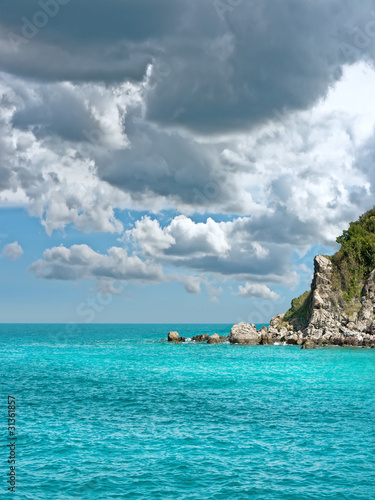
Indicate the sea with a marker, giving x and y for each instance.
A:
(110, 411)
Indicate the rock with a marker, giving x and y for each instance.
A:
(292, 339)
(244, 333)
(266, 339)
(351, 326)
(201, 338)
(308, 344)
(317, 301)
(273, 332)
(182, 339)
(276, 320)
(351, 341)
(223, 338)
(214, 339)
(173, 337)
(337, 341)
(283, 332)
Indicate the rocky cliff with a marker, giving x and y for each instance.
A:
(330, 319)
(339, 309)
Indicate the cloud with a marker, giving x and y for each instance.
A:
(82, 262)
(193, 284)
(301, 167)
(256, 290)
(212, 72)
(12, 251)
(262, 116)
(228, 249)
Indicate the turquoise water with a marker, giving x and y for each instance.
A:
(104, 412)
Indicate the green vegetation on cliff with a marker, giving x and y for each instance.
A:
(299, 311)
(355, 260)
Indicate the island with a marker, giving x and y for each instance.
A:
(339, 308)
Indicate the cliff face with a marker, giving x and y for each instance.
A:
(333, 320)
(321, 316)
(327, 309)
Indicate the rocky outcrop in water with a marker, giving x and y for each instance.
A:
(325, 317)
(244, 333)
(200, 338)
(216, 339)
(173, 337)
(339, 309)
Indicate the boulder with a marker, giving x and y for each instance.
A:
(214, 339)
(266, 339)
(173, 337)
(201, 338)
(244, 333)
(292, 339)
(351, 341)
(273, 332)
(276, 320)
(337, 341)
(308, 344)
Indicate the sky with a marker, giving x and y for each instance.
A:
(178, 161)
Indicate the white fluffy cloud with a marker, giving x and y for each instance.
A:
(181, 238)
(235, 249)
(256, 290)
(12, 251)
(82, 262)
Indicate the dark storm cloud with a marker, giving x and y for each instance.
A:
(166, 164)
(58, 112)
(226, 70)
(275, 56)
(106, 41)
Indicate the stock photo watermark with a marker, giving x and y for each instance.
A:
(39, 20)
(11, 446)
(223, 7)
(361, 37)
(88, 309)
